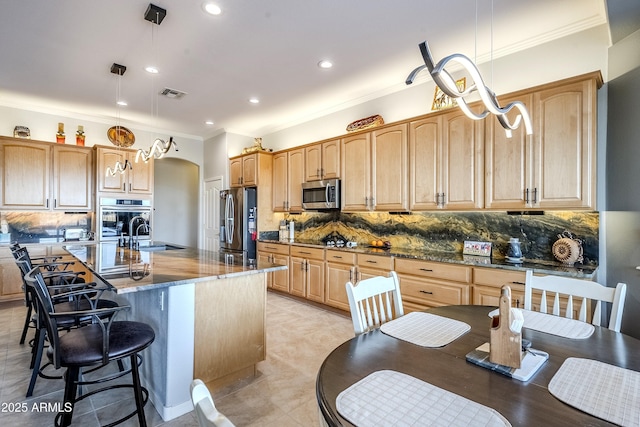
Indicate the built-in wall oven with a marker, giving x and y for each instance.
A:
(115, 215)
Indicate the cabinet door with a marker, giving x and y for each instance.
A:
(313, 162)
(356, 173)
(107, 158)
(250, 170)
(235, 172)
(72, 178)
(389, 172)
(140, 176)
(331, 159)
(315, 280)
(565, 146)
(462, 161)
(337, 276)
(424, 165)
(281, 277)
(297, 278)
(280, 184)
(490, 295)
(11, 285)
(508, 162)
(295, 179)
(26, 175)
(266, 258)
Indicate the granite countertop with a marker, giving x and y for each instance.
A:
(540, 267)
(137, 270)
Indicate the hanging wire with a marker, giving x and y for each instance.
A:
(118, 167)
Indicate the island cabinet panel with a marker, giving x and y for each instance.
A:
(425, 284)
(230, 321)
(340, 269)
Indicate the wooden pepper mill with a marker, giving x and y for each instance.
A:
(506, 333)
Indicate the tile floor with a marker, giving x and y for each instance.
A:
(299, 337)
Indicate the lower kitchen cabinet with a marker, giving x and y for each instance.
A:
(276, 254)
(487, 283)
(425, 284)
(373, 265)
(340, 269)
(307, 273)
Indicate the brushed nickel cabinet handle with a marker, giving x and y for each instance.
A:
(535, 195)
(526, 196)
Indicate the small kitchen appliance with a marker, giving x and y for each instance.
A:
(321, 195)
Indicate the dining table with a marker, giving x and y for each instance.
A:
(521, 403)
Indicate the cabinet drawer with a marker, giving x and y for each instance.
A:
(437, 270)
(306, 252)
(433, 292)
(341, 257)
(377, 261)
(497, 277)
(274, 248)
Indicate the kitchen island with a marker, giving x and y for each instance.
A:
(208, 311)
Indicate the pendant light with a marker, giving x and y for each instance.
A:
(119, 167)
(159, 148)
(447, 84)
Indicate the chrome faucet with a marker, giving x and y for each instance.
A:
(135, 244)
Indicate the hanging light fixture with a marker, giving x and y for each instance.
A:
(447, 84)
(159, 148)
(119, 167)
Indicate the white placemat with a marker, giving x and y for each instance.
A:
(424, 329)
(602, 390)
(390, 398)
(555, 325)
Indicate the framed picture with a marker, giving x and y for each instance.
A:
(476, 248)
(442, 100)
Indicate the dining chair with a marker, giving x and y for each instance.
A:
(374, 301)
(206, 412)
(580, 290)
(92, 346)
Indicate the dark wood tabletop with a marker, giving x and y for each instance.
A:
(522, 403)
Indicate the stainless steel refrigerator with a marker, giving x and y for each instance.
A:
(238, 219)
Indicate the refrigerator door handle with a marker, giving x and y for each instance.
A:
(230, 219)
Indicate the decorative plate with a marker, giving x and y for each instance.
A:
(366, 123)
(567, 249)
(121, 136)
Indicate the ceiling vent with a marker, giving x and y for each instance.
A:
(172, 93)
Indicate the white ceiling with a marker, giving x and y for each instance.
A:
(55, 56)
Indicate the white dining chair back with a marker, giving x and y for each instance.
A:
(576, 290)
(206, 412)
(374, 301)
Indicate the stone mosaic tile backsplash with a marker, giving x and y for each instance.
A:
(447, 231)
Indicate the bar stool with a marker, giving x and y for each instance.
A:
(95, 345)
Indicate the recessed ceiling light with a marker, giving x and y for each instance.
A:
(254, 100)
(122, 103)
(325, 63)
(208, 122)
(151, 69)
(211, 8)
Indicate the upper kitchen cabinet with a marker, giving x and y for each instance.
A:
(288, 175)
(446, 169)
(322, 160)
(45, 176)
(374, 166)
(135, 180)
(246, 170)
(555, 167)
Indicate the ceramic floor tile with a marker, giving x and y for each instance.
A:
(299, 337)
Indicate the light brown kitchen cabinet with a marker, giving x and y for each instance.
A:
(275, 253)
(369, 266)
(138, 179)
(555, 167)
(322, 161)
(45, 176)
(307, 272)
(374, 166)
(340, 269)
(250, 170)
(487, 283)
(288, 175)
(425, 284)
(446, 169)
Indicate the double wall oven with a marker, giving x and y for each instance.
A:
(115, 215)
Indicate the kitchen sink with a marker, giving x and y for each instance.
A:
(161, 247)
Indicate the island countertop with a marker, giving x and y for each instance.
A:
(153, 267)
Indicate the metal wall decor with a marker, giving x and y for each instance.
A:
(447, 84)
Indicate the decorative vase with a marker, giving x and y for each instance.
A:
(60, 134)
(80, 136)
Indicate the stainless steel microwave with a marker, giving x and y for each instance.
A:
(321, 195)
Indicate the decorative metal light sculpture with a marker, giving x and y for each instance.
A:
(447, 84)
(118, 167)
(157, 150)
